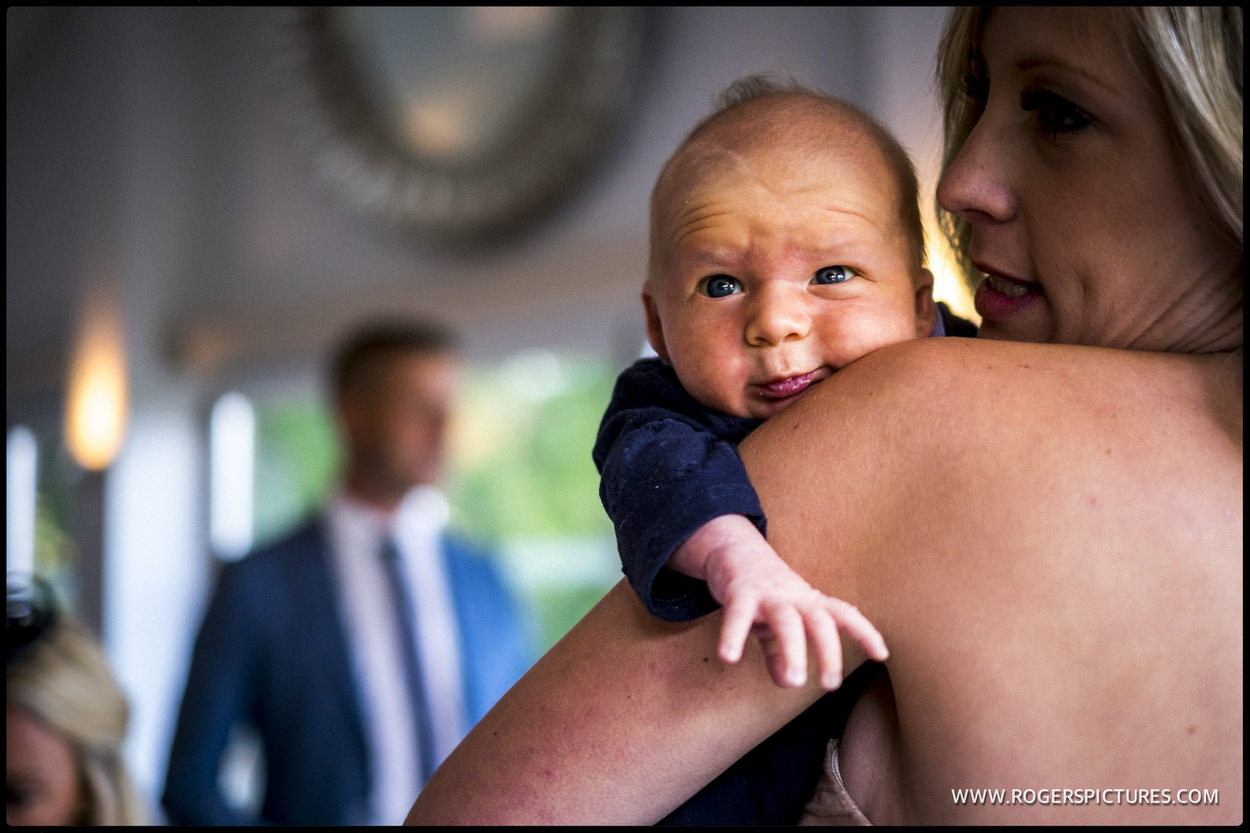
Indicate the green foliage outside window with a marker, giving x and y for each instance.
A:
(297, 460)
(56, 552)
(522, 479)
(521, 461)
(520, 476)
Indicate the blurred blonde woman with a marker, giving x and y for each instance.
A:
(65, 720)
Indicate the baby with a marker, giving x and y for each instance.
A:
(786, 242)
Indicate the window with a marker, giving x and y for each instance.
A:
(232, 458)
(22, 454)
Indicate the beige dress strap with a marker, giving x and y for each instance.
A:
(832, 804)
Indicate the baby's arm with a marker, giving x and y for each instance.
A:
(668, 465)
(690, 530)
(762, 595)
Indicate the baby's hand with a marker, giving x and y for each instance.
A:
(762, 595)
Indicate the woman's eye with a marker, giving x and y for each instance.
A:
(832, 274)
(1053, 114)
(719, 286)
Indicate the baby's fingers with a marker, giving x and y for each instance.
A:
(739, 616)
(828, 648)
(857, 626)
(787, 649)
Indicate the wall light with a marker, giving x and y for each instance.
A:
(96, 410)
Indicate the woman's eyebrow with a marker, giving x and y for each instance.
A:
(1026, 64)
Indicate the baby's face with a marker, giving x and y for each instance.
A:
(778, 270)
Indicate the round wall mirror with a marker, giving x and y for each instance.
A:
(460, 123)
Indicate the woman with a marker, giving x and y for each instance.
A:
(1045, 523)
(65, 721)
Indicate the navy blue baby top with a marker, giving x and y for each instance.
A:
(668, 465)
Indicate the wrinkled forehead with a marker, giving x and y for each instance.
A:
(823, 161)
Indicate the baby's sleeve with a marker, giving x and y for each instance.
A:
(667, 466)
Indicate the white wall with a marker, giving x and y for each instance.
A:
(146, 146)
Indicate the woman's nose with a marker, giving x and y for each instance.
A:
(975, 184)
(778, 313)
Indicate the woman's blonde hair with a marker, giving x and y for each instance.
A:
(1194, 55)
(64, 680)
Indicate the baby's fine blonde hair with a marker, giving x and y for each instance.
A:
(735, 132)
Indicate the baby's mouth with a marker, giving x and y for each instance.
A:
(790, 386)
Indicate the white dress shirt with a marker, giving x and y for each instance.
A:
(357, 532)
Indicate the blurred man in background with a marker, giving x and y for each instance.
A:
(360, 648)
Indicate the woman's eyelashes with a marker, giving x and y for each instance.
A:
(1053, 115)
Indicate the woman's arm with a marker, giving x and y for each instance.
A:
(1043, 535)
(620, 722)
(628, 716)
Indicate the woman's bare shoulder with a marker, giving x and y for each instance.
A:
(964, 493)
(971, 366)
(938, 431)
(925, 396)
(947, 388)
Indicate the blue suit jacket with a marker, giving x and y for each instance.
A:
(272, 653)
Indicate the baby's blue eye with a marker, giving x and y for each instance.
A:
(833, 274)
(719, 286)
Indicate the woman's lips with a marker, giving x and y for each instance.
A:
(999, 297)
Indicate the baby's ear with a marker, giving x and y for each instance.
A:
(655, 326)
(926, 310)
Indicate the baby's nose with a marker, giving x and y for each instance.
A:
(778, 314)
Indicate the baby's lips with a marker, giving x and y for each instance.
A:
(790, 386)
